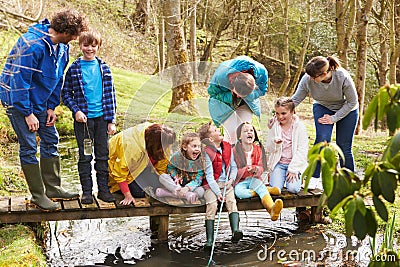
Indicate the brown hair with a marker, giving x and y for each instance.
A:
(285, 102)
(92, 36)
(158, 137)
(69, 21)
(183, 161)
(204, 133)
(241, 161)
(244, 83)
(315, 66)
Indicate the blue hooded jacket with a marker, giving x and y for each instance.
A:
(220, 102)
(32, 78)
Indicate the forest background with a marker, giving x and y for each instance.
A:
(148, 36)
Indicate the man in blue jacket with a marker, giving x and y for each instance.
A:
(30, 87)
(234, 92)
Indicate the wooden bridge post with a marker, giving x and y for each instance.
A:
(159, 227)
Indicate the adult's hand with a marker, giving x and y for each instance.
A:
(51, 117)
(32, 122)
(326, 119)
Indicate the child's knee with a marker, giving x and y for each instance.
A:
(164, 177)
(211, 210)
(199, 191)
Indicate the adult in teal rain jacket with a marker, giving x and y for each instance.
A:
(30, 87)
(235, 91)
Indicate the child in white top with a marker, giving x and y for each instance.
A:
(287, 146)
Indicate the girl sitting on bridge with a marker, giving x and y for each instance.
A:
(250, 159)
(287, 146)
(185, 171)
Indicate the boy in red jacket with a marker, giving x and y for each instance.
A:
(221, 171)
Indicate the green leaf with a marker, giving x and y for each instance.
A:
(391, 116)
(383, 101)
(349, 211)
(393, 148)
(361, 205)
(370, 112)
(371, 223)
(327, 181)
(329, 155)
(338, 150)
(388, 184)
(308, 173)
(359, 225)
(369, 172)
(342, 203)
(380, 208)
(375, 185)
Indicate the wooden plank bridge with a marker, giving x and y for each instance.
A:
(17, 209)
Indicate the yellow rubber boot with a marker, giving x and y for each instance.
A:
(274, 191)
(274, 209)
(253, 193)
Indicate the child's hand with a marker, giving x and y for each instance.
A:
(111, 129)
(80, 116)
(219, 197)
(291, 177)
(278, 140)
(128, 199)
(228, 184)
(178, 180)
(252, 170)
(182, 191)
(271, 122)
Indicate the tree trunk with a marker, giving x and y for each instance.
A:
(303, 50)
(160, 39)
(141, 16)
(193, 48)
(394, 51)
(286, 57)
(182, 93)
(382, 64)
(344, 33)
(226, 17)
(361, 38)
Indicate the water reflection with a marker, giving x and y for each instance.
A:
(127, 240)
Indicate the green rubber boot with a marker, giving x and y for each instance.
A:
(36, 187)
(50, 169)
(234, 222)
(209, 234)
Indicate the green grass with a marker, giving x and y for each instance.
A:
(18, 247)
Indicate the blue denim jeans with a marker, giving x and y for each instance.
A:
(345, 129)
(27, 139)
(97, 131)
(278, 179)
(242, 189)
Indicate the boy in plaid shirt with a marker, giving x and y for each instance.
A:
(90, 94)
